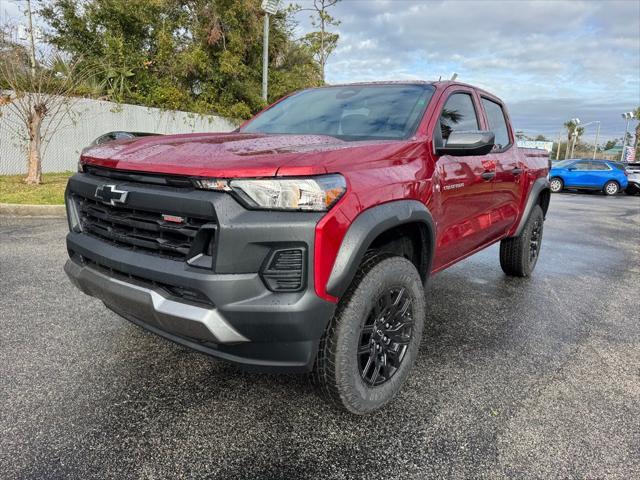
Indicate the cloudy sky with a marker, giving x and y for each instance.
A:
(549, 60)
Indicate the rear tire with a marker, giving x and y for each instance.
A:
(385, 303)
(632, 190)
(611, 188)
(556, 184)
(519, 255)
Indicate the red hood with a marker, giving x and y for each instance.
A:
(218, 155)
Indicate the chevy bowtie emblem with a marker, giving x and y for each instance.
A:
(111, 195)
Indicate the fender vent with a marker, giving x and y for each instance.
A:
(285, 271)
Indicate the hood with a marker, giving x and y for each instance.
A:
(216, 155)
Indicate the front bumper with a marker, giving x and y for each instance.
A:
(153, 306)
(236, 317)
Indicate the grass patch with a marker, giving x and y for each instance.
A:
(51, 192)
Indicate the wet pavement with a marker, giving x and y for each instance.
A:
(518, 378)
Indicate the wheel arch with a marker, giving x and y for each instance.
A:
(540, 194)
(381, 226)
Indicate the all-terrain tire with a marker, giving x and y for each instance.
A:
(338, 370)
(519, 255)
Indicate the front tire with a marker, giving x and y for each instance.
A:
(611, 188)
(556, 185)
(373, 339)
(519, 255)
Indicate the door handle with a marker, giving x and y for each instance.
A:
(488, 175)
(517, 171)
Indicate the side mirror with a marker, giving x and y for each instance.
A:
(468, 143)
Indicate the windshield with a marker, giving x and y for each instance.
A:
(357, 112)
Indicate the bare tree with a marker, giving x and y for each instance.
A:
(33, 97)
(322, 42)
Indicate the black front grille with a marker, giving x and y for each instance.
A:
(140, 177)
(138, 229)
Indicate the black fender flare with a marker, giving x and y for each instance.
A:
(538, 187)
(366, 228)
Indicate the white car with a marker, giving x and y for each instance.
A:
(633, 175)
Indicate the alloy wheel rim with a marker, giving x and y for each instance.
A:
(385, 336)
(534, 241)
(555, 185)
(611, 188)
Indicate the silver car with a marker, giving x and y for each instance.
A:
(633, 175)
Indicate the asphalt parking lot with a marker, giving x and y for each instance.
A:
(516, 378)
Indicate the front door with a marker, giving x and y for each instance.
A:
(581, 174)
(465, 185)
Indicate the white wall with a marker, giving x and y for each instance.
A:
(90, 119)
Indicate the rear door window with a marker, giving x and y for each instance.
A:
(582, 166)
(497, 123)
(599, 166)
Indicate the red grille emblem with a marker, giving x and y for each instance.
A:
(172, 218)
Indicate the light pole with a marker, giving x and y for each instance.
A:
(583, 125)
(595, 146)
(270, 7)
(559, 141)
(627, 116)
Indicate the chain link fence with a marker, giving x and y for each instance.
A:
(88, 119)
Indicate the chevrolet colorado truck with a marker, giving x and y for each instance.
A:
(302, 241)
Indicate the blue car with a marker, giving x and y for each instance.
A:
(607, 176)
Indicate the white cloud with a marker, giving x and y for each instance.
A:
(568, 56)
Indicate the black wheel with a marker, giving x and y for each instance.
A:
(632, 190)
(556, 184)
(611, 188)
(373, 339)
(519, 255)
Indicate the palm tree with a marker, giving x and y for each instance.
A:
(571, 127)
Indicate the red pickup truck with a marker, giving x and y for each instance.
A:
(302, 241)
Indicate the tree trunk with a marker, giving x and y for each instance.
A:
(322, 58)
(34, 161)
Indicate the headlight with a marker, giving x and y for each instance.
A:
(316, 194)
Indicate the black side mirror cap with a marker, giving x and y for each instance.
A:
(476, 142)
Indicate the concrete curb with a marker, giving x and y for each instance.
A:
(17, 210)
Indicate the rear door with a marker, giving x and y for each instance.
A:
(580, 175)
(507, 184)
(464, 182)
(600, 173)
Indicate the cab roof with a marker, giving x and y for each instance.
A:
(440, 84)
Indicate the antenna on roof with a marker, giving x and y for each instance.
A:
(440, 78)
(454, 76)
